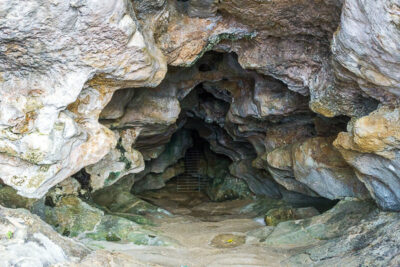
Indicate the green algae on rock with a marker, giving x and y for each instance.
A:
(276, 216)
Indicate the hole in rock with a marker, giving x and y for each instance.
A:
(211, 136)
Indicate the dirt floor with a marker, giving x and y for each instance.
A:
(207, 233)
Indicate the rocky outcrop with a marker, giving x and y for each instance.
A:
(27, 240)
(365, 53)
(248, 76)
(276, 216)
(119, 162)
(259, 181)
(372, 147)
(365, 50)
(58, 75)
(314, 167)
(368, 237)
(228, 188)
(262, 90)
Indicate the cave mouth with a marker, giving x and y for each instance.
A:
(201, 188)
(206, 135)
(197, 189)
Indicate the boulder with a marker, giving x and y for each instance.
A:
(313, 167)
(75, 56)
(26, 240)
(372, 147)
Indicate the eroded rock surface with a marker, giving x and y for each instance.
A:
(27, 240)
(313, 167)
(372, 147)
(293, 58)
(261, 90)
(62, 61)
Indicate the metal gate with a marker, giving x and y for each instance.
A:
(191, 180)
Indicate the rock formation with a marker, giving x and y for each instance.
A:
(290, 65)
(293, 99)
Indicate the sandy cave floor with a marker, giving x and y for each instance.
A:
(208, 234)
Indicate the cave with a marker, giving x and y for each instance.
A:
(216, 98)
(199, 133)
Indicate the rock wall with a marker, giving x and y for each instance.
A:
(61, 63)
(270, 84)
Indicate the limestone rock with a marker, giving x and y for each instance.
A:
(119, 162)
(321, 167)
(117, 200)
(260, 183)
(328, 225)
(315, 166)
(366, 49)
(10, 199)
(158, 180)
(74, 218)
(371, 241)
(377, 133)
(26, 240)
(174, 151)
(372, 148)
(115, 109)
(62, 61)
(70, 216)
(198, 8)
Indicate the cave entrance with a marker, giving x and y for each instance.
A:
(208, 134)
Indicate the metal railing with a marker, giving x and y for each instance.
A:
(191, 180)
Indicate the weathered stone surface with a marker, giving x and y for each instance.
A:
(366, 48)
(377, 133)
(74, 218)
(372, 147)
(158, 180)
(51, 64)
(276, 216)
(117, 200)
(115, 109)
(315, 167)
(119, 162)
(372, 241)
(10, 199)
(281, 49)
(260, 182)
(65, 65)
(365, 53)
(25, 240)
(174, 151)
(185, 39)
(321, 167)
(328, 225)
